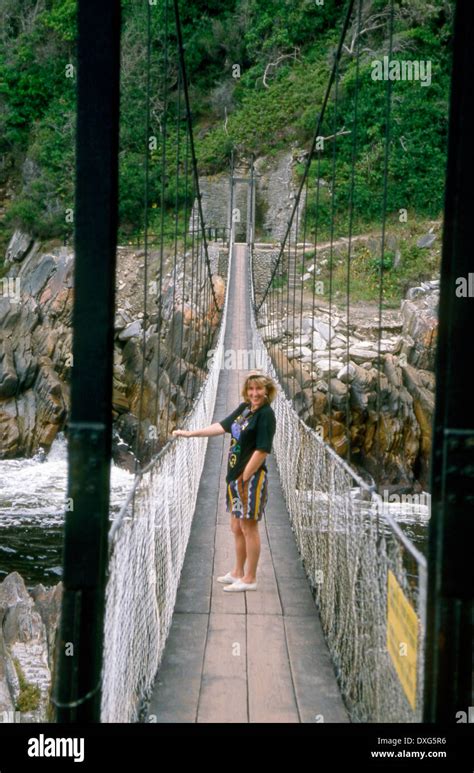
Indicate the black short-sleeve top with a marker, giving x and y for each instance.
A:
(250, 431)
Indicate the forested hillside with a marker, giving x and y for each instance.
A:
(257, 71)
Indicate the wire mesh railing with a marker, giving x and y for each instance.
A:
(148, 539)
(369, 581)
(147, 546)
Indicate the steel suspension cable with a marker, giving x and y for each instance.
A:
(164, 138)
(138, 443)
(318, 173)
(191, 140)
(317, 133)
(174, 272)
(193, 282)
(185, 230)
(294, 275)
(331, 252)
(351, 220)
(388, 105)
(305, 223)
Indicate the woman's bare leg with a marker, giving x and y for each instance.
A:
(240, 549)
(252, 546)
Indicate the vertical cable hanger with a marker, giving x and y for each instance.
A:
(174, 271)
(331, 251)
(351, 221)
(305, 223)
(164, 138)
(388, 105)
(317, 133)
(318, 172)
(191, 141)
(139, 445)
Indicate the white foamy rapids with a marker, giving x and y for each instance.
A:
(35, 490)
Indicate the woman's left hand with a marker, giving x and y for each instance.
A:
(181, 433)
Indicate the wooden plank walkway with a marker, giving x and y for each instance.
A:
(245, 657)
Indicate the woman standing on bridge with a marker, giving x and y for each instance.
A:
(252, 427)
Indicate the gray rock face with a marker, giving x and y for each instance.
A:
(276, 189)
(326, 367)
(402, 379)
(298, 351)
(8, 376)
(338, 391)
(362, 355)
(28, 629)
(325, 331)
(420, 326)
(131, 331)
(291, 325)
(35, 279)
(303, 340)
(318, 341)
(122, 319)
(426, 241)
(19, 246)
(36, 344)
(347, 373)
(215, 197)
(272, 333)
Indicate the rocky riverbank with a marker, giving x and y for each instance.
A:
(329, 371)
(28, 626)
(36, 346)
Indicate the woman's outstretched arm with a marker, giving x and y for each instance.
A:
(213, 429)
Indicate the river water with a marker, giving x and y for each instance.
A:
(32, 505)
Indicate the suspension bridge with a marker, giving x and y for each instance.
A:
(347, 622)
(249, 657)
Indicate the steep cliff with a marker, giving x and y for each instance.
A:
(36, 348)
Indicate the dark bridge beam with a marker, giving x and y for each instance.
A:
(80, 646)
(448, 680)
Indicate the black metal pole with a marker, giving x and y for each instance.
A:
(448, 673)
(79, 656)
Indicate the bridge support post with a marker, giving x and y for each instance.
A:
(448, 671)
(77, 688)
(231, 200)
(250, 205)
(249, 196)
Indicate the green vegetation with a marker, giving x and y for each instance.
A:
(291, 44)
(30, 695)
(404, 265)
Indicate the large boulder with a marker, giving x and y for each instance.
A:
(420, 328)
(19, 246)
(28, 630)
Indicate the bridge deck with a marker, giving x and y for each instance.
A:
(244, 657)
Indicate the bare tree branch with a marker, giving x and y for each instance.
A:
(340, 133)
(369, 22)
(295, 54)
(357, 35)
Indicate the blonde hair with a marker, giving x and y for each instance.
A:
(261, 380)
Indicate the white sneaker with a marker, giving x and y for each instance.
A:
(241, 586)
(227, 579)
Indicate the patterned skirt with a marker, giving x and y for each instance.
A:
(248, 500)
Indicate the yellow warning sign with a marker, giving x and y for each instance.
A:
(402, 637)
